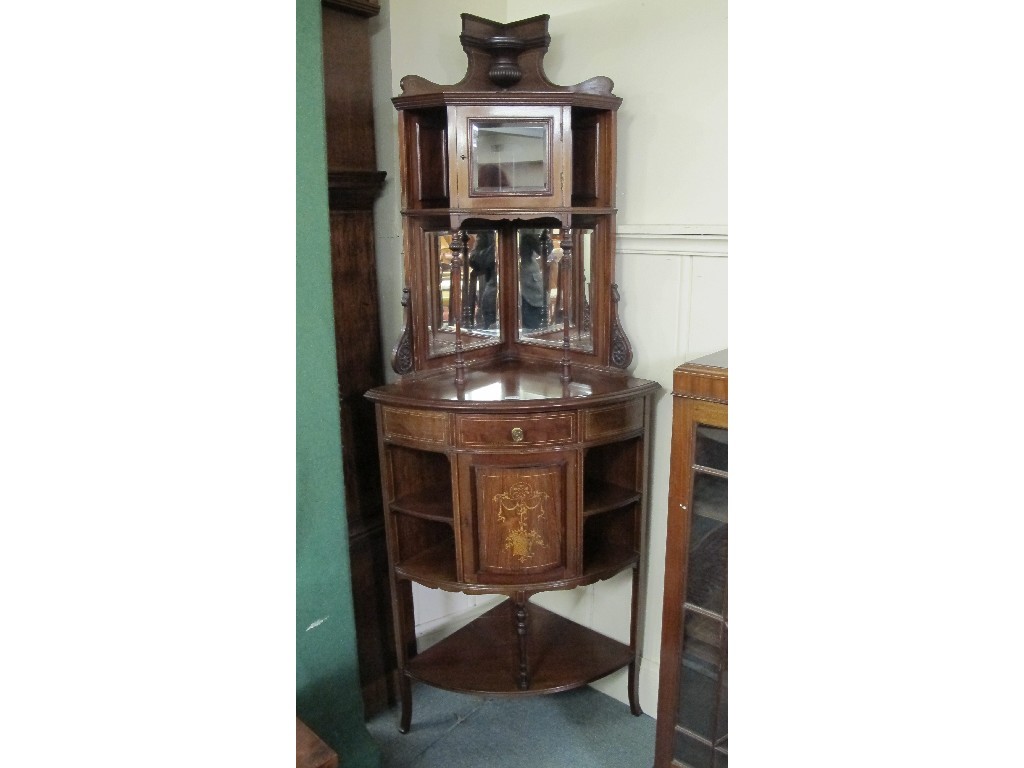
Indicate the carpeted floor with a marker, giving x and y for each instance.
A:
(582, 728)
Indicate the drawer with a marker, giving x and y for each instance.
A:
(408, 425)
(510, 431)
(621, 418)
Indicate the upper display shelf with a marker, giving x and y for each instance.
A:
(508, 202)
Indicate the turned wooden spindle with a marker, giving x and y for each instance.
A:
(545, 254)
(459, 241)
(520, 615)
(564, 271)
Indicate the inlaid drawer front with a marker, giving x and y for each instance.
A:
(510, 431)
(613, 420)
(430, 427)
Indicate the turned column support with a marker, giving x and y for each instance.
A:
(459, 247)
(564, 272)
(520, 617)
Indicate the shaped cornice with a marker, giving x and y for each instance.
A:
(505, 65)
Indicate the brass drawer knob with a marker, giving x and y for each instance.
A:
(517, 435)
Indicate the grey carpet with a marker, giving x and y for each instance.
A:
(574, 729)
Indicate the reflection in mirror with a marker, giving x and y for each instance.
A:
(480, 323)
(509, 157)
(542, 304)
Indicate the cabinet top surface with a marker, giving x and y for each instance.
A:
(719, 359)
(706, 378)
(513, 385)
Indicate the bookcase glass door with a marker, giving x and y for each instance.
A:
(702, 715)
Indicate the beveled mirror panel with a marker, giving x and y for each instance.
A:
(510, 157)
(552, 287)
(480, 322)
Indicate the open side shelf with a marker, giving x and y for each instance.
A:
(434, 567)
(482, 657)
(606, 561)
(429, 506)
(600, 496)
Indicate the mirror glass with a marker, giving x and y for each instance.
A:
(509, 157)
(552, 287)
(480, 323)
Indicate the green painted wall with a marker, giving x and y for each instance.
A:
(327, 675)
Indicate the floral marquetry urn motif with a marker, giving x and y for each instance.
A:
(519, 502)
(522, 528)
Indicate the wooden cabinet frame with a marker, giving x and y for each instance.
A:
(700, 400)
(517, 465)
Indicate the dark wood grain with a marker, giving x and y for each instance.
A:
(353, 185)
(453, 496)
(348, 96)
(483, 657)
(360, 7)
(310, 750)
(700, 397)
(435, 156)
(510, 465)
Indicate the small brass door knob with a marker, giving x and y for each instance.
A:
(517, 435)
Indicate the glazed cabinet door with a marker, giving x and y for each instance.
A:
(701, 721)
(693, 708)
(509, 157)
(518, 516)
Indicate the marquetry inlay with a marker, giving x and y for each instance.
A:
(520, 501)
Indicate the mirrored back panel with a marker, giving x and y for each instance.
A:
(481, 325)
(554, 283)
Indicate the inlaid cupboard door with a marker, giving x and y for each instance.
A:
(519, 515)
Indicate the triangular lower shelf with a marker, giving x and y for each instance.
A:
(483, 657)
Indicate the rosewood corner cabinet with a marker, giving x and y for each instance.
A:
(693, 690)
(514, 446)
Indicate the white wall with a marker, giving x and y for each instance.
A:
(668, 60)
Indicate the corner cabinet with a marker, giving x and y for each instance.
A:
(514, 446)
(490, 492)
(692, 724)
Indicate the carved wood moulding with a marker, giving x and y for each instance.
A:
(359, 7)
(401, 355)
(354, 190)
(508, 58)
(622, 350)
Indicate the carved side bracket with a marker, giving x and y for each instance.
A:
(621, 351)
(401, 356)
